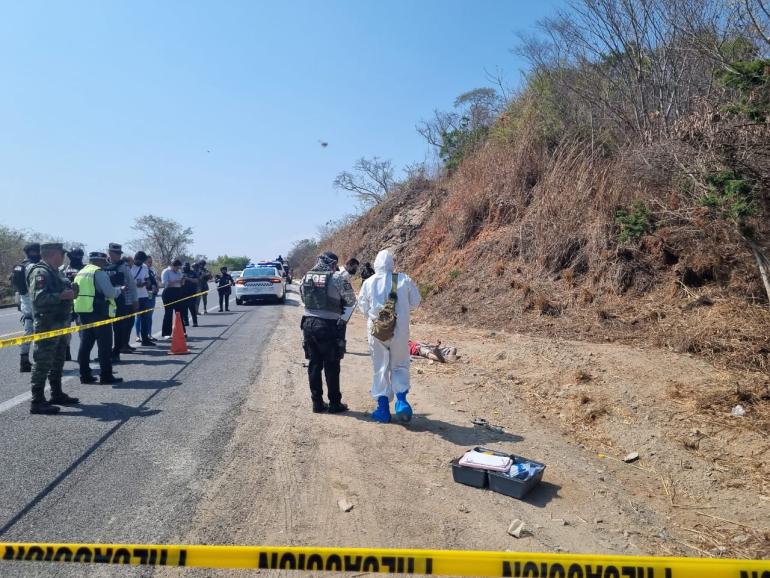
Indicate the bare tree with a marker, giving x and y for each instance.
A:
(637, 65)
(435, 130)
(164, 239)
(758, 12)
(474, 109)
(370, 182)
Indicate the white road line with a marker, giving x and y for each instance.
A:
(22, 397)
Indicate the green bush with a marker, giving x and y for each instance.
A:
(425, 290)
(456, 144)
(633, 222)
(751, 79)
(729, 195)
(454, 274)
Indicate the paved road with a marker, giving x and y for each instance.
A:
(129, 463)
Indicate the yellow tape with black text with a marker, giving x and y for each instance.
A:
(387, 561)
(75, 328)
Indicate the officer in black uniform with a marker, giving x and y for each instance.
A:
(19, 282)
(324, 292)
(120, 276)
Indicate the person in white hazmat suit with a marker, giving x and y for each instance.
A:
(390, 359)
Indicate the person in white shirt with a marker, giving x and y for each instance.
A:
(140, 273)
(171, 278)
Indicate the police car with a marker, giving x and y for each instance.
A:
(258, 282)
(282, 269)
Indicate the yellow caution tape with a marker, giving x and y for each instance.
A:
(75, 328)
(387, 561)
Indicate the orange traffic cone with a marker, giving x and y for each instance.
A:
(178, 343)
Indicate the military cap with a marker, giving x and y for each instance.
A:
(329, 256)
(116, 248)
(97, 256)
(52, 247)
(76, 252)
(32, 248)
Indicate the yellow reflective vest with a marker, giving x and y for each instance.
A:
(84, 302)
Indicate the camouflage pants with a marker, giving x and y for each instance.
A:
(49, 360)
(26, 321)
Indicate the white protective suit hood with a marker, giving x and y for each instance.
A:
(384, 262)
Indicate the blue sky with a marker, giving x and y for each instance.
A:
(211, 113)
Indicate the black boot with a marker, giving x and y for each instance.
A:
(338, 407)
(58, 397)
(87, 379)
(319, 406)
(62, 398)
(110, 379)
(24, 365)
(42, 407)
(68, 354)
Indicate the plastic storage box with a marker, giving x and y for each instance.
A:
(513, 487)
(472, 476)
(469, 476)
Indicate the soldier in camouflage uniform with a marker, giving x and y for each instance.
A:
(52, 297)
(19, 282)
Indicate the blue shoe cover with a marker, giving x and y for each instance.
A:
(403, 409)
(382, 413)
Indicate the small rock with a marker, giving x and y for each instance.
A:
(741, 539)
(516, 528)
(500, 356)
(344, 504)
(598, 521)
(632, 457)
(601, 478)
(464, 509)
(738, 411)
(419, 372)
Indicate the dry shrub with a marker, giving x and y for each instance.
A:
(730, 333)
(544, 307)
(569, 222)
(492, 188)
(582, 376)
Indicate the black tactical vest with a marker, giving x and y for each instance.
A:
(315, 290)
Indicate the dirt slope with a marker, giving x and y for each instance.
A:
(286, 468)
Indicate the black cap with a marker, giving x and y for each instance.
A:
(75, 252)
(53, 246)
(329, 256)
(32, 248)
(116, 248)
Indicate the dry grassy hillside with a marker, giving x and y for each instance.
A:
(528, 241)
